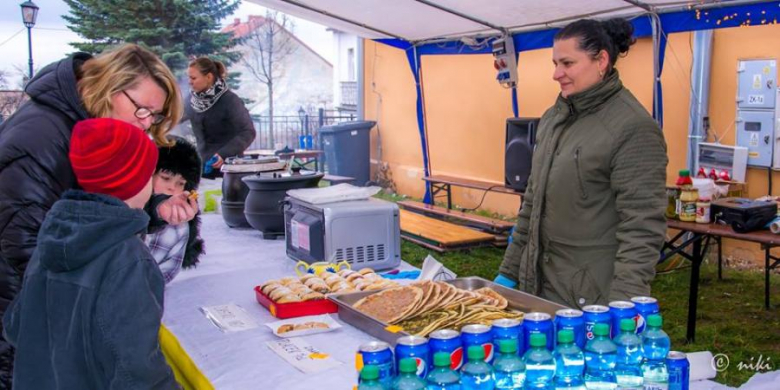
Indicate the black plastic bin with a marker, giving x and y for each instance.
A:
(347, 149)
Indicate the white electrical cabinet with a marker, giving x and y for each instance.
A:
(757, 110)
(505, 61)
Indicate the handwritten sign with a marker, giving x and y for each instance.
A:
(302, 355)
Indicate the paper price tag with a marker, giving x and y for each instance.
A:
(302, 355)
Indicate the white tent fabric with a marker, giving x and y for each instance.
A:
(425, 20)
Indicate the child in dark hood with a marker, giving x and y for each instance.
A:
(89, 312)
(178, 172)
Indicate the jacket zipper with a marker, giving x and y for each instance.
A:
(579, 174)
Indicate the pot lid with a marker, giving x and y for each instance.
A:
(283, 176)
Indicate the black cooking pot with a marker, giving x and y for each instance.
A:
(263, 208)
(234, 191)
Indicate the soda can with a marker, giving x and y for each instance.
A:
(377, 353)
(645, 306)
(414, 347)
(595, 314)
(619, 310)
(478, 335)
(679, 370)
(508, 329)
(539, 323)
(571, 319)
(446, 340)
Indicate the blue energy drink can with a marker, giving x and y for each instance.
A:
(645, 306)
(620, 310)
(508, 329)
(377, 353)
(679, 370)
(478, 335)
(573, 320)
(414, 347)
(595, 314)
(539, 323)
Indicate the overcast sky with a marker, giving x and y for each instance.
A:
(51, 38)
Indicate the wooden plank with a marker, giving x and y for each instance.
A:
(471, 183)
(486, 223)
(444, 233)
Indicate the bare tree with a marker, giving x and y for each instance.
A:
(269, 42)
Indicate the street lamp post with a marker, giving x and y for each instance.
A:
(29, 15)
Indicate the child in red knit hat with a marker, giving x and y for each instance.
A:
(89, 311)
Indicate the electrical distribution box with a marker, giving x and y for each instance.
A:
(505, 61)
(757, 110)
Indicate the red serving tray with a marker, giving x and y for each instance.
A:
(295, 309)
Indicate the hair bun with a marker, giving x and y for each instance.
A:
(621, 32)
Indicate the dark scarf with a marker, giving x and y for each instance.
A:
(202, 101)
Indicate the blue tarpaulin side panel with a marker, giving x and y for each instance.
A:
(414, 62)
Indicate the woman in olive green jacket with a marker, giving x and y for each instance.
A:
(592, 221)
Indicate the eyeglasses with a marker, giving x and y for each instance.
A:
(144, 112)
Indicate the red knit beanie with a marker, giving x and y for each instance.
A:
(111, 157)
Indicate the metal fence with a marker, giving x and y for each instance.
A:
(288, 129)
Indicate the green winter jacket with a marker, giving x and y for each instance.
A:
(592, 221)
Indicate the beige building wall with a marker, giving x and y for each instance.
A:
(466, 109)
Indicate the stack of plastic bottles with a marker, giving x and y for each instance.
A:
(628, 361)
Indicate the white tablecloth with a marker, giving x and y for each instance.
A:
(236, 261)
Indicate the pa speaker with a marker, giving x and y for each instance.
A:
(520, 139)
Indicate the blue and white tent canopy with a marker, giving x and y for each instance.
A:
(417, 21)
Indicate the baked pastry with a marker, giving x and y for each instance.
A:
(285, 328)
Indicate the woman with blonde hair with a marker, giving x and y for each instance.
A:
(128, 83)
(221, 123)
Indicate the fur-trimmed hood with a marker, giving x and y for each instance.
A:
(182, 158)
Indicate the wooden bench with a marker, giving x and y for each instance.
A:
(439, 235)
(333, 179)
(444, 183)
(492, 225)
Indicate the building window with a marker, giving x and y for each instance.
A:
(351, 76)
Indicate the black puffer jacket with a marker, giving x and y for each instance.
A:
(34, 172)
(225, 129)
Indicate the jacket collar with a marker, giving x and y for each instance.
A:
(592, 97)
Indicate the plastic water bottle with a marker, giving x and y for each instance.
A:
(508, 368)
(539, 364)
(600, 360)
(442, 377)
(628, 371)
(655, 346)
(476, 374)
(569, 362)
(407, 378)
(369, 378)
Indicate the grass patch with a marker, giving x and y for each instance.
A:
(731, 317)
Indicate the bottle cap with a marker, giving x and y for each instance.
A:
(601, 329)
(655, 320)
(565, 336)
(369, 373)
(538, 340)
(407, 365)
(627, 325)
(507, 346)
(476, 352)
(441, 359)
(685, 172)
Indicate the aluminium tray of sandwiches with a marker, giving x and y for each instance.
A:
(516, 301)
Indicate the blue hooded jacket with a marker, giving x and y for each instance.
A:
(89, 311)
